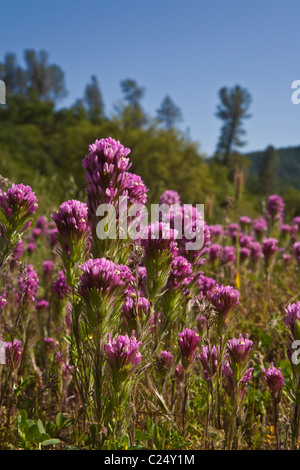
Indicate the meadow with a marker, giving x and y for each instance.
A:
(116, 344)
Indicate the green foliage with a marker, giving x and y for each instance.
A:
(93, 99)
(283, 163)
(269, 174)
(169, 114)
(32, 434)
(41, 143)
(37, 141)
(44, 147)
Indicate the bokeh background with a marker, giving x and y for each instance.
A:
(200, 91)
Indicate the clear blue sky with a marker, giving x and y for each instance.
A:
(188, 49)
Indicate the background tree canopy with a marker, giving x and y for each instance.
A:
(43, 145)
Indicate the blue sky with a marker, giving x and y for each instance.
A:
(187, 49)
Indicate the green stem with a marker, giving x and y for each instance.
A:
(295, 427)
(276, 427)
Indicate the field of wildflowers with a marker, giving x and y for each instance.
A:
(140, 343)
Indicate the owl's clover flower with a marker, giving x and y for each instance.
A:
(36, 233)
(123, 351)
(17, 205)
(179, 373)
(17, 253)
(233, 231)
(164, 362)
(110, 182)
(225, 299)
(286, 258)
(195, 231)
(181, 274)
(296, 221)
(123, 356)
(136, 189)
(245, 222)
(31, 247)
(201, 324)
(255, 252)
(285, 229)
(170, 197)
(132, 309)
(102, 286)
(292, 319)
(229, 254)
(47, 267)
(209, 360)
(269, 248)
(188, 341)
(275, 381)
(239, 349)
(229, 380)
(71, 219)
(296, 251)
(215, 252)
(28, 285)
(205, 284)
(275, 208)
(158, 237)
(50, 343)
(100, 274)
(13, 352)
(73, 231)
(193, 234)
(260, 227)
(215, 231)
(244, 254)
(106, 166)
(246, 241)
(18, 202)
(60, 286)
(42, 305)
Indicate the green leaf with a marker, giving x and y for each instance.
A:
(140, 436)
(67, 339)
(286, 368)
(33, 434)
(51, 442)
(50, 427)
(62, 421)
(40, 426)
(22, 419)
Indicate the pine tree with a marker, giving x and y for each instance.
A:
(232, 110)
(38, 80)
(132, 114)
(93, 100)
(169, 113)
(44, 81)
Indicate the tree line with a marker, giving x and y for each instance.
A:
(40, 139)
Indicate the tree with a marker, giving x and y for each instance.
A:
(38, 80)
(44, 81)
(13, 75)
(132, 92)
(232, 110)
(132, 114)
(169, 113)
(93, 100)
(78, 110)
(269, 171)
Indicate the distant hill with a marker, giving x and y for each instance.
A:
(289, 170)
